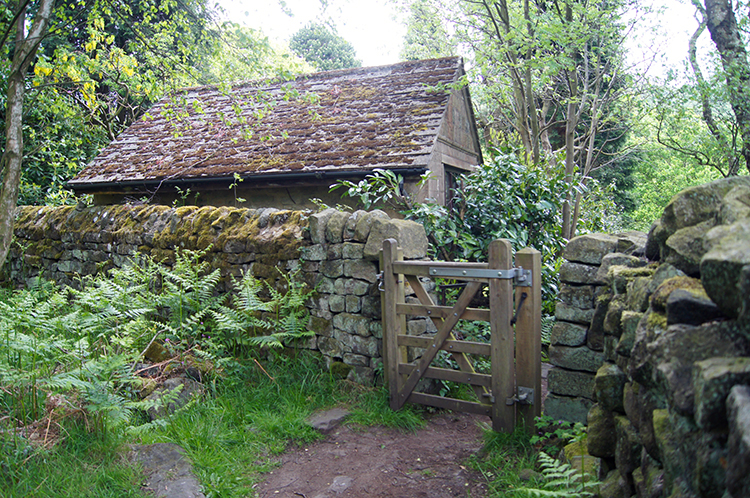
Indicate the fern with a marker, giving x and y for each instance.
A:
(279, 319)
(562, 481)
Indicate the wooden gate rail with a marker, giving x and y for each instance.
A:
(515, 359)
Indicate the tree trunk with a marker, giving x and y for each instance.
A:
(12, 159)
(722, 25)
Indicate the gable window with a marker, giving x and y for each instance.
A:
(453, 184)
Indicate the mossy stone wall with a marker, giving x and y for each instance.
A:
(337, 253)
(669, 403)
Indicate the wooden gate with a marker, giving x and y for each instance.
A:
(513, 389)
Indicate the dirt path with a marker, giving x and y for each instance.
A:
(382, 462)
(379, 462)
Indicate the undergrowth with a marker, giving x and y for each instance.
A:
(71, 396)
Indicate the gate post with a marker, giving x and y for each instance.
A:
(529, 335)
(501, 311)
(391, 322)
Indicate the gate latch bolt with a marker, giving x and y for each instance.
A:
(525, 396)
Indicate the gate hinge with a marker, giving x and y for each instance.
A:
(525, 396)
(519, 276)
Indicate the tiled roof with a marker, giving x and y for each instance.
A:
(348, 120)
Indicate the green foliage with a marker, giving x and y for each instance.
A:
(563, 481)
(323, 48)
(502, 459)
(273, 322)
(503, 198)
(549, 428)
(383, 187)
(105, 63)
(426, 35)
(88, 340)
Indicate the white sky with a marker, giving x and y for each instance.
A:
(375, 29)
(371, 26)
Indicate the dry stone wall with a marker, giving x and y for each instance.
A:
(669, 409)
(579, 337)
(336, 252)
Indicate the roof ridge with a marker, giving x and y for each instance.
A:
(322, 74)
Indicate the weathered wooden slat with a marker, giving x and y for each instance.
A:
(529, 336)
(502, 341)
(467, 347)
(464, 363)
(450, 404)
(474, 379)
(391, 322)
(442, 334)
(442, 312)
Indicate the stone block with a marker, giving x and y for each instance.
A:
(410, 236)
(608, 387)
(738, 445)
(334, 251)
(628, 448)
(352, 250)
(335, 227)
(362, 375)
(713, 379)
(579, 296)
(722, 265)
(332, 269)
(320, 326)
(617, 259)
(568, 334)
(685, 247)
(353, 304)
(331, 347)
(610, 348)
(612, 320)
(337, 303)
(579, 273)
(317, 225)
(628, 325)
(590, 248)
(691, 308)
(356, 344)
(567, 408)
(614, 486)
(602, 438)
(570, 313)
(416, 327)
(638, 294)
(570, 383)
(364, 224)
(352, 324)
(371, 307)
(351, 224)
(580, 358)
(315, 252)
(361, 269)
(595, 339)
(356, 360)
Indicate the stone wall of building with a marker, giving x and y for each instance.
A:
(664, 371)
(336, 252)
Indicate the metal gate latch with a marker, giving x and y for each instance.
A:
(520, 277)
(525, 396)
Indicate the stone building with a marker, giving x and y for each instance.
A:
(280, 143)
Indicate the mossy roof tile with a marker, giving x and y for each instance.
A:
(347, 120)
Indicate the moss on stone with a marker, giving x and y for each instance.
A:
(340, 370)
(656, 320)
(692, 285)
